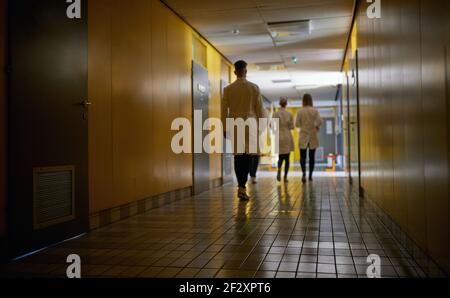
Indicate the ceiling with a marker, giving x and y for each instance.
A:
(311, 59)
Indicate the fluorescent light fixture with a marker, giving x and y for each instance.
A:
(306, 87)
(281, 81)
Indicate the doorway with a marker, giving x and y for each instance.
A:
(48, 130)
(200, 107)
(227, 158)
(353, 131)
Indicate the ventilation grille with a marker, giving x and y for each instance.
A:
(53, 196)
(290, 28)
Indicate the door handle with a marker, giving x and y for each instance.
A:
(86, 103)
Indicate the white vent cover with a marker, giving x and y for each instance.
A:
(53, 197)
(290, 28)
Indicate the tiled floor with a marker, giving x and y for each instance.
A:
(286, 231)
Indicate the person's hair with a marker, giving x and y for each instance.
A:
(307, 100)
(283, 102)
(240, 66)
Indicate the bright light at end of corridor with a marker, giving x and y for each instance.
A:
(316, 79)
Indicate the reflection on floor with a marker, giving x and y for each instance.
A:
(298, 173)
(288, 230)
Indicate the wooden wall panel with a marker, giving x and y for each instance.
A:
(128, 75)
(433, 28)
(225, 71)
(185, 97)
(405, 151)
(140, 57)
(100, 113)
(414, 125)
(176, 96)
(446, 8)
(214, 71)
(160, 107)
(3, 114)
(143, 103)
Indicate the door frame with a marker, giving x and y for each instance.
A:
(349, 157)
(225, 179)
(205, 188)
(355, 72)
(358, 126)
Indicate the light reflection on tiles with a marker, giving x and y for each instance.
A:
(286, 231)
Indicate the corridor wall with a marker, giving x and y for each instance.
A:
(140, 56)
(214, 63)
(404, 119)
(3, 116)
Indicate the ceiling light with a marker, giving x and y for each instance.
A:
(281, 81)
(306, 87)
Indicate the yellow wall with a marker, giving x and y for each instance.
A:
(214, 65)
(404, 119)
(139, 81)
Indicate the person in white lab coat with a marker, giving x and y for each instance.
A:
(242, 99)
(309, 122)
(286, 142)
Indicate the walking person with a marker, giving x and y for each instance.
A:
(309, 122)
(242, 100)
(286, 125)
(254, 164)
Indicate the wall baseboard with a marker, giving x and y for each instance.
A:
(430, 267)
(215, 183)
(109, 216)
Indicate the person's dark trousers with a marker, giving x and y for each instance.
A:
(254, 164)
(286, 159)
(312, 160)
(242, 168)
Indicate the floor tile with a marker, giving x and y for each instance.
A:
(299, 230)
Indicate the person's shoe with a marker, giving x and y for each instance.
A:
(304, 178)
(254, 180)
(242, 194)
(311, 179)
(279, 177)
(286, 180)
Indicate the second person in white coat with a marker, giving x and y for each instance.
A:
(309, 122)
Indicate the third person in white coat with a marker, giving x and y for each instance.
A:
(286, 144)
(309, 122)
